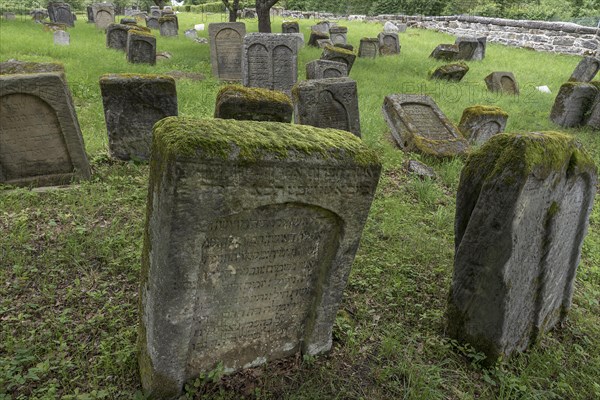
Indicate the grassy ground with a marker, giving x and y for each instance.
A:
(70, 259)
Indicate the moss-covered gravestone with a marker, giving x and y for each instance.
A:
(226, 40)
(327, 103)
(320, 69)
(417, 124)
(168, 25)
(315, 36)
(502, 82)
(480, 123)
(132, 105)
(335, 53)
(253, 104)
(572, 103)
(521, 215)
(586, 70)
(251, 232)
(450, 72)
(446, 52)
(389, 43)
(116, 36)
(593, 120)
(369, 47)
(141, 47)
(290, 27)
(338, 34)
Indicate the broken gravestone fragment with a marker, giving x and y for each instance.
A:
(446, 52)
(586, 70)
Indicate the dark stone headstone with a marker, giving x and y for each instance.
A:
(446, 52)
(141, 47)
(290, 27)
(116, 36)
(479, 123)
(152, 23)
(315, 36)
(451, 72)
(60, 13)
(253, 104)
(471, 48)
(90, 13)
(502, 82)
(369, 47)
(168, 25)
(128, 21)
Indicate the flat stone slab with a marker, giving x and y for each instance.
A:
(251, 233)
(573, 102)
(479, 123)
(253, 104)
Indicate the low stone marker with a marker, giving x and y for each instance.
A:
(104, 15)
(522, 212)
(573, 102)
(60, 13)
(338, 54)
(41, 143)
(446, 52)
(270, 61)
(389, 43)
(38, 15)
(479, 123)
(450, 72)
(251, 232)
(417, 124)
(116, 36)
(471, 48)
(62, 38)
(369, 47)
(132, 105)
(338, 34)
(152, 23)
(320, 69)
(191, 34)
(226, 40)
(168, 25)
(253, 104)
(327, 103)
(586, 70)
(290, 27)
(315, 36)
(141, 47)
(502, 82)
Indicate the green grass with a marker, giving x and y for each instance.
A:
(70, 259)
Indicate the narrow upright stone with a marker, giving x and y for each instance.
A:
(253, 104)
(479, 123)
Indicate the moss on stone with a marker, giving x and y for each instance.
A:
(484, 110)
(111, 77)
(28, 67)
(340, 50)
(256, 95)
(167, 18)
(138, 32)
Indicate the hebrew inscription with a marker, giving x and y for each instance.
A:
(427, 121)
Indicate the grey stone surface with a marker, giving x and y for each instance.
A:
(104, 14)
(155, 11)
(61, 13)
(346, 46)
(389, 43)
(368, 48)
(38, 14)
(253, 104)
(290, 27)
(141, 47)
(315, 36)
(128, 21)
(573, 101)
(593, 120)
(338, 34)
(586, 70)
(502, 82)
(390, 27)
(521, 215)
(479, 123)
(13, 66)
(321, 43)
(246, 255)
(270, 61)
(132, 105)
(446, 52)
(62, 38)
(320, 69)
(327, 103)
(152, 23)
(471, 48)
(401, 27)
(90, 13)
(191, 34)
(450, 72)
(338, 54)
(116, 36)
(226, 40)
(423, 171)
(168, 25)
(417, 124)
(41, 140)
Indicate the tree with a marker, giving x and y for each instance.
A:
(233, 7)
(263, 12)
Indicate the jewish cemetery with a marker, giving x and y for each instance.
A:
(223, 200)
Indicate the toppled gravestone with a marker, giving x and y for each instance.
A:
(226, 40)
(315, 36)
(253, 104)
(479, 123)
(251, 232)
(502, 82)
(446, 52)
(132, 105)
(320, 69)
(521, 215)
(450, 72)
(573, 102)
(417, 124)
(338, 54)
(586, 70)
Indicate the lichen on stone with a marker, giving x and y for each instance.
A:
(340, 50)
(256, 95)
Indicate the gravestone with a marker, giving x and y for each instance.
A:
(128, 21)
(502, 82)
(322, 27)
(389, 43)
(191, 34)
(338, 34)
(40, 138)
(390, 27)
(315, 36)
(369, 47)
(586, 70)
(327, 103)
(290, 27)
(446, 52)
(155, 11)
(132, 105)
(522, 212)
(321, 43)
(116, 36)
(226, 41)
(9, 16)
(338, 54)
(471, 48)
(152, 23)
(270, 61)
(104, 15)
(90, 13)
(417, 124)
(12, 67)
(168, 25)
(320, 69)
(346, 46)
(401, 27)
(74, 17)
(479, 123)
(593, 120)
(60, 13)
(248, 245)
(253, 104)
(38, 15)
(141, 47)
(573, 102)
(62, 38)
(450, 72)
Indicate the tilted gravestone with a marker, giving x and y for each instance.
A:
(320, 69)
(40, 139)
(270, 61)
(253, 104)
(369, 47)
(322, 43)
(132, 105)
(346, 46)
(593, 120)
(446, 52)
(479, 123)
(62, 38)
(573, 102)
(521, 215)
(226, 40)
(471, 48)
(417, 124)
(141, 47)
(315, 36)
(116, 36)
(586, 70)
(338, 54)
(60, 13)
(327, 103)
(389, 43)
(338, 34)
(168, 25)
(104, 15)
(290, 27)
(251, 232)
(502, 82)
(450, 72)
(152, 23)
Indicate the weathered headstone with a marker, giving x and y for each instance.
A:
(417, 124)
(104, 14)
(338, 34)
(327, 103)
(152, 23)
(60, 13)
(586, 70)
(141, 47)
(522, 212)
(471, 48)
(155, 11)
(168, 25)
(226, 40)
(38, 14)
(346, 46)
(321, 43)
(40, 139)
(338, 54)
(450, 72)
(12, 67)
(315, 36)
(116, 36)
(322, 26)
(246, 255)
(9, 16)
(401, 27)
(62, 38)
(446, 52)
(389, 43)
(390, 27)
(479, 123)
(290, 27)
(502, 82)
(369, 47)
(593, 120)
(320, 69)
(253, 104)
(90, 13)
(572, 103)
(132, 105)
(270, 61)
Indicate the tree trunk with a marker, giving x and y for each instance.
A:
(232, 14)
(264, 17)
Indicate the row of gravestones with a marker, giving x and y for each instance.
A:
(253, 226)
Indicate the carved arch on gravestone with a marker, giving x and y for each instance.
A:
(258, 66)
(63, 14)
(284, 71)
(333, 112)
(508, 85)
(332, 73)
(103, 18)
(228, 44)
(486, 131)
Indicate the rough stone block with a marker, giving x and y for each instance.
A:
(502, 82)
(572, 103)
(226, 40)
(253, 104)
(450, 72)
(320, 69)
(471, 48)
(338, 54)
(480, 123)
